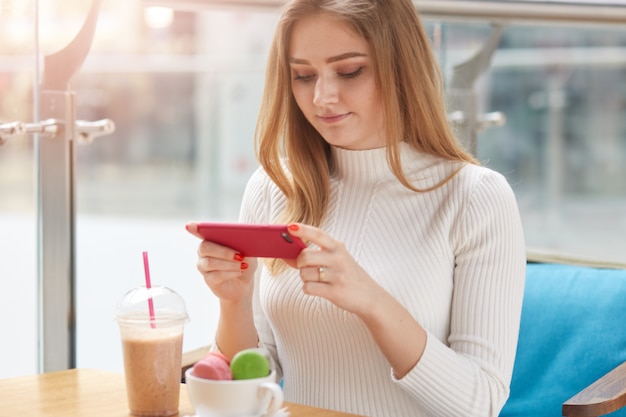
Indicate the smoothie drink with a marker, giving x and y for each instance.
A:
(152, 344)
(152, 363)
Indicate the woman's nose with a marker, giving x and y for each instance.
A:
(326, 92)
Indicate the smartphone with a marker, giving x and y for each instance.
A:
(254, 240)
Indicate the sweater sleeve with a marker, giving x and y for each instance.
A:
(470, 373)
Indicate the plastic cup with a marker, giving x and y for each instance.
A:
(152, 348)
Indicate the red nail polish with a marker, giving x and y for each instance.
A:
(238, 257)
(187, 227)
(293, 227)
(244, 265)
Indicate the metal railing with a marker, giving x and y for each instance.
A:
(518, 12)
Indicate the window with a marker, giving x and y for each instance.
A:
(183, 88)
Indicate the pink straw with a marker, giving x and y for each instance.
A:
(146, 269)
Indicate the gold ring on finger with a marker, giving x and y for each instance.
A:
(321, 271)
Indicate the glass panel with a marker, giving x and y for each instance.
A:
(563, 147)
(183, 90)
(18, 271)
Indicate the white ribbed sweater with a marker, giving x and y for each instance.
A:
(454, 257)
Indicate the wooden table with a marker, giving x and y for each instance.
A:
(89, 392)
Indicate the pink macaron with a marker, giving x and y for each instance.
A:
(213, 366)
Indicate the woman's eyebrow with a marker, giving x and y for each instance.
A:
(329, 60)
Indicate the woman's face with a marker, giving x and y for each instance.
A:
(332, 78)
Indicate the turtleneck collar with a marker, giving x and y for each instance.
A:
(371, 165)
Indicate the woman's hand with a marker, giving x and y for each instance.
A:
(332, 273)
(343, 282)
(227, 273)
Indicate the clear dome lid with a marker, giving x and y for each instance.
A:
(158, 304)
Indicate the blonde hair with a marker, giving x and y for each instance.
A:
(293, 153)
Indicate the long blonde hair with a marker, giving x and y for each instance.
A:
(407, 74)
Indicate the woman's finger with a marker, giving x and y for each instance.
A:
(192, 227)
(310, 274)
(215, 250)
(317, 275)
(210, 264)
(312, 234)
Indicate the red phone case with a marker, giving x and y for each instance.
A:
(254, 240)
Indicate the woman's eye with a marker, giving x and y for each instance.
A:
(304, 77)
(352, 74)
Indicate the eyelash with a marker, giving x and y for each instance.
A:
(303, 78)
(352, 74)
(349, 75)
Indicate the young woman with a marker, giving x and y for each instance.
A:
(407, 301)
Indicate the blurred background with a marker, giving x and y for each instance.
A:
(183, 86)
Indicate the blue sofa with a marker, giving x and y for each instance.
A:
(573, 331)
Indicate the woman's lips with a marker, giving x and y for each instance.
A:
(333, 118)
